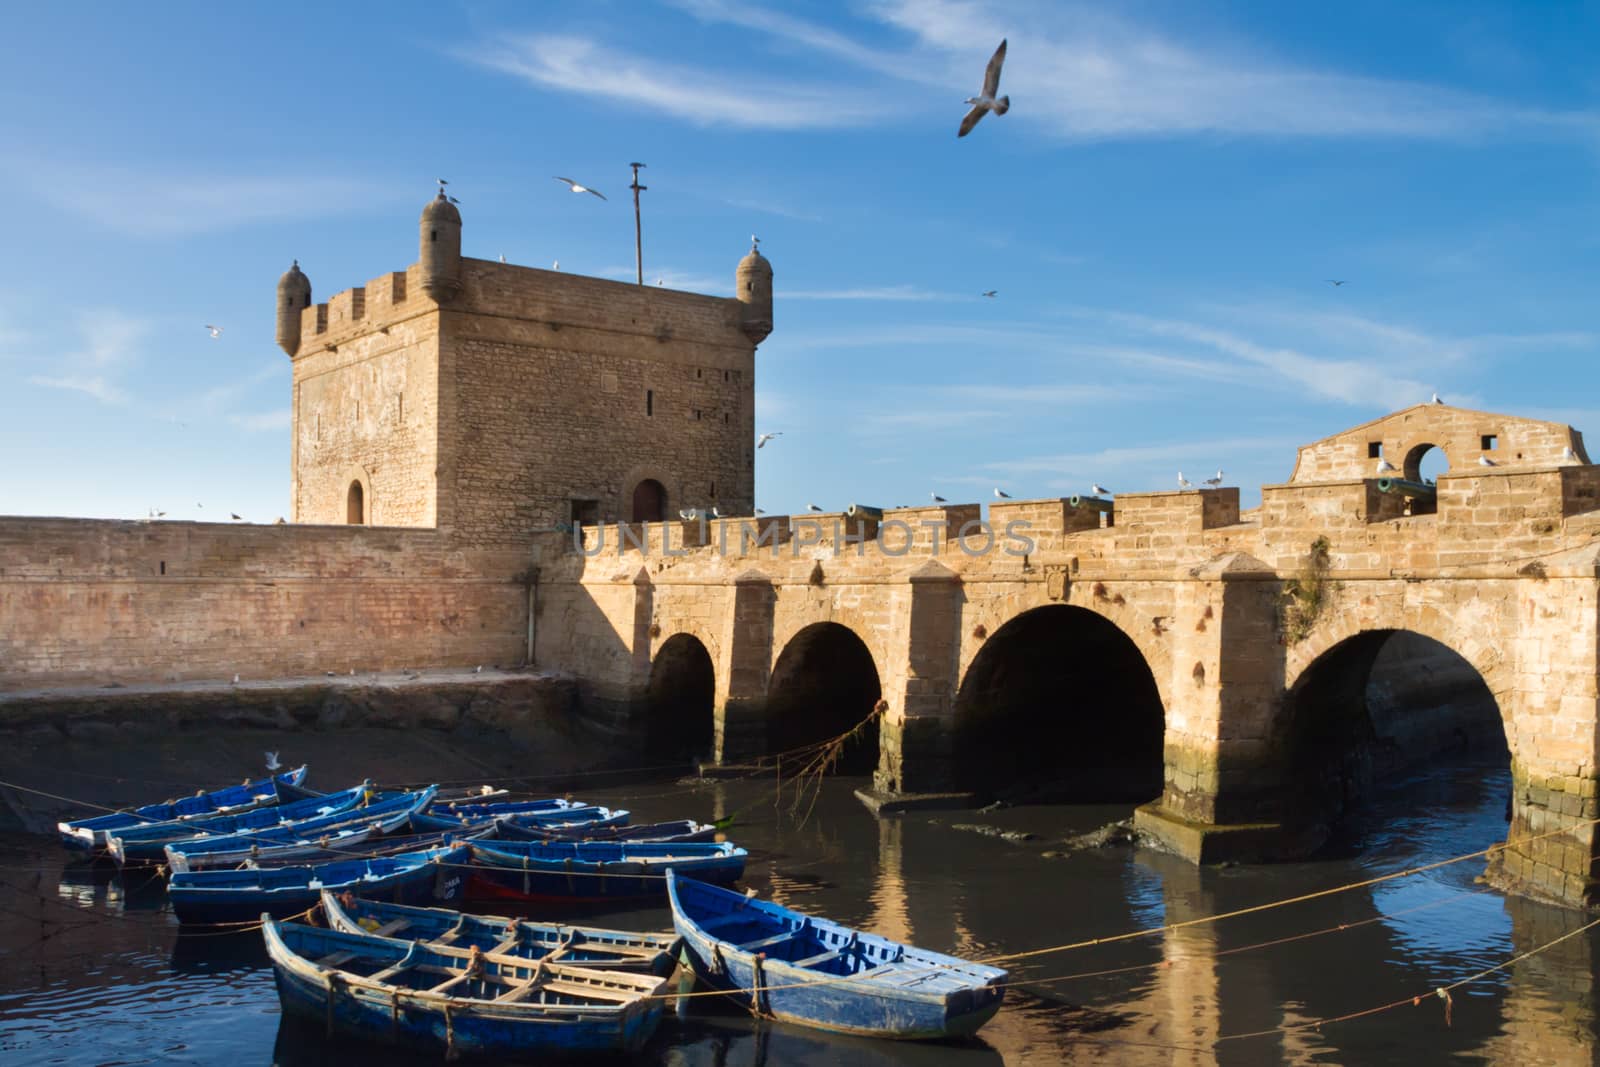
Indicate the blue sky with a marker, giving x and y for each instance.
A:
(1160, 213)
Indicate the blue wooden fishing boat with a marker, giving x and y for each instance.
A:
(586, 946)
(340, 830)
(818, 973)
(594, 872)
(678, 830)
(234, 896)
(92, 833)
(461, 1002)
(148, 844)
(554, 812)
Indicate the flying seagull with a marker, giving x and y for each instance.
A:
(1214, 482)
(760, 512)
(987, 102)
(216, 331)
(937, 499)
(1099, 490)
(991, 293)
(1385, 467)
(237, 516)
(577, 188)
(1485, 461)
(764, 438)
(1184, 483)
(1337, 281)
(812, 507)
(1001, 494)
(272, 761)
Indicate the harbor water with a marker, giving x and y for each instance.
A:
(95, 970)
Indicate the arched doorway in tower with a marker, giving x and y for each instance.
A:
(649, 502)
(1059, 705)
(824, 684)
(1389, 714)
(680, 702)
(355, 505)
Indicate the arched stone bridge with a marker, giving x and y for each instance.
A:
(1218, 663)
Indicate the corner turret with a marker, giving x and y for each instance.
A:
(753, 289)
(294, 296)
(440, 255)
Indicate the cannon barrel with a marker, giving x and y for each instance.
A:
(1407, 488)
(1092, 503)
(864, 511)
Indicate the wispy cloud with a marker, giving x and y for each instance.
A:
(685, 281)
(767, 208)
(884, 292)
(94, 385)
(587, 67)
(158, 203)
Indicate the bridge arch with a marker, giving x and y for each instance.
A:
(1374, 702)
(1060, 704)
(824, 682)
(680, 703)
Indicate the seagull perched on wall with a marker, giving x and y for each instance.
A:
(1183, 483)
(1001, 494)
(764, 438)
(812, 507)
(986, 101)
(1567, 456)
(1485, 461)
(1214, 482)
(556, 265)
(577, 188)
(1099, 490)
(236, 516)
(715, 514)
(216, 331)
(937, 499)
(1436, 399)
(686, 514)
(760, 512)
(1385, 467)
(272, 761)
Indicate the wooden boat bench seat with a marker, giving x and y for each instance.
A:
(337, 959)
(389, 929)
(821, 957)
(767, 942)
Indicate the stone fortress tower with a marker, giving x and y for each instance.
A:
(493, 400)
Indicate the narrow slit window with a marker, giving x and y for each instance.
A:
(649, 402)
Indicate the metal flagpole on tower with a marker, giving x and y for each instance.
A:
(638, 239)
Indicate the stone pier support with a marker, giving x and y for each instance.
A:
(914, 737)
(741, 724)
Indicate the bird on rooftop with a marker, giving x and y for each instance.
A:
(1183, 483)
(1485, 461)
(478, 669)
(1099, 490)
(216, 331)
(715, 514)
(1214, 482)
(577, 188)
(1567, 456)
(764, 438)
(937, 499)
(1436, 399)
(1001, 494)
(281, 521)
(236, 516)
(991, 292)
(812, 507)
(1385, 467)
(272, 761)
(556, 265)
(502, 257)
(236, 679)
(442, 182)
(986, 102)
(1336, 281)
(760, 512)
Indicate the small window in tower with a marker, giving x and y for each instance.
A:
(696, 414)
(724, 418)
(1490, 442)
(697, 372)
(1374, 449)
(727, 375)
(163, 566)
(713, 490)
(649, 402)
(433, 235)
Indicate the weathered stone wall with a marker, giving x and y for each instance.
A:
(84, 601)
(366, 407)
(1461, 434)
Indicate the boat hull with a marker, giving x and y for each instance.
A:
(868, 987)
(239, 896)
(593, 873)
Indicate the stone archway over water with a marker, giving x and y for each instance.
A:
(1059, 705)
(680, 703)
(824, 683)
(1377, 704)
